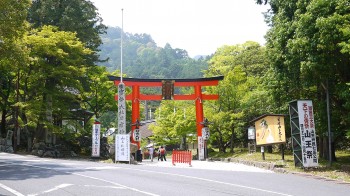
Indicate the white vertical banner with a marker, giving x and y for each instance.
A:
(200, 148)
(96, 129)
(121, 109)
(307, 133)
(122, 147)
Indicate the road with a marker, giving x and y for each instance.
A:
(33, 176)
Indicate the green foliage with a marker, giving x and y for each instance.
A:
(175, 121)
(98, 94)
(51, 80)
(242, 93)
(79, 16)
(308, 47)
(12, 19)
(13, 55)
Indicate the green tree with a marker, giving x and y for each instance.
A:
(79, 16)
(308, 47)
(99, 92)
(242, 93)
(12, 55)
(51, 82)
(175, 122)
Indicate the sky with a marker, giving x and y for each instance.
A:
(197, 26)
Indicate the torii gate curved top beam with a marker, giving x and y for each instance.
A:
(168, 94)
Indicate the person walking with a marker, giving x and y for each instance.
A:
(151, 151)
(158, 153)
(162, 152)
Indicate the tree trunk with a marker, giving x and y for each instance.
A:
(325, 150)
(40, 133)
(232, 139)
(183, 145)
(3, 123)
(320, 147)
(334, 158)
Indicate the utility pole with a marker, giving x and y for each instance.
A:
(326, 88)
(329, 127)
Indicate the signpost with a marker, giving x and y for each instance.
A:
(137, 135)
(269, 129)
(205, 133)
(122, 140)
(307, 133)
(251, 138)
(96, 129)
(303, 133)
(251, 133)
(121, 109)
(122, 145)
(200, 148)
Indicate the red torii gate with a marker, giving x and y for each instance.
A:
(168, 94)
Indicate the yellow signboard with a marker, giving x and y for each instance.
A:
(270, 130)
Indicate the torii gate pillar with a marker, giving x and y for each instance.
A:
(135, 115)
(199, 109)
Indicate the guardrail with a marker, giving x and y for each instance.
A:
(181, 156)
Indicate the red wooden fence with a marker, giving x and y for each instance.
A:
(181, 156)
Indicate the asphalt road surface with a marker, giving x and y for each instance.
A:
(33, 176)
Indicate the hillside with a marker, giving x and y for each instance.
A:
(142, 57)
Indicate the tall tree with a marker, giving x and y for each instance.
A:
(78, 16)
(12, 54)
(242, 92)
(51, 81)
(308, 47)
(99, 92)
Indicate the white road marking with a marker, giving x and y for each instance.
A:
(58, 187)
(36, 160)
(126, 187)
(4, 164)
(214, 181)
(103, 167)
(111, 187)
(71, 164)
(11, 190)
(61, 186)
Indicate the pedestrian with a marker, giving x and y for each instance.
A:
(162, 152)
(158, 153)
(151, 151)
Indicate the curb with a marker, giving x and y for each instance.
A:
(263, 165)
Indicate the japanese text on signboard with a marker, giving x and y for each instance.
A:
(137, 135)
(307, 133)
(270, 130)
(121, 109)
(200, 148)
(122, 145)
(96, 140)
